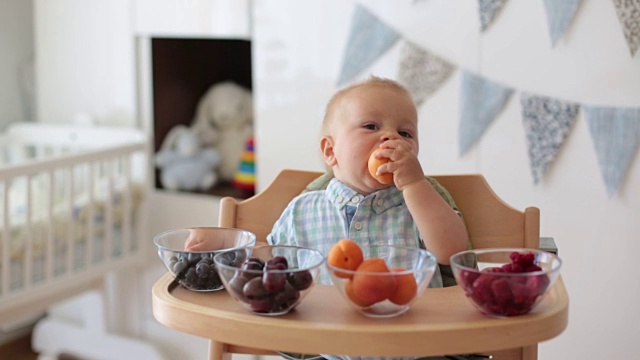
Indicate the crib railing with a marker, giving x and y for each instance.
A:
(67, 218)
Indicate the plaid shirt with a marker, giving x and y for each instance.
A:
(318, 219)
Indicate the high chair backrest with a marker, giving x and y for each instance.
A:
(490, 221)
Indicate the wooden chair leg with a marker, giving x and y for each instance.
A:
(530, 352)
(218, 351)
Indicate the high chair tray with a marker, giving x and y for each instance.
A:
(442, 321)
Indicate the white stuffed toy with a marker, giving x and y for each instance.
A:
(184, 163)
(224, 119)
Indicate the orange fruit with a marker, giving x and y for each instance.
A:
(370, 284)
(374, 164)
(406, 288)
(345, 254)
(348, 289)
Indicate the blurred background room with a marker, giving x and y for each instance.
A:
(541, 97)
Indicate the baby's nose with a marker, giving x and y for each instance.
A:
(389, 136)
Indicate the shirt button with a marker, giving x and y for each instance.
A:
(358, 225)
(380, 202)
(355, 199)
(339, 199)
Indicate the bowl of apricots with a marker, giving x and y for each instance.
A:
(269, 280)
(380, 281)
(505, 282)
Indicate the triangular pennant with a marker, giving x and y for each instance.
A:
(488, 11)
(615, 133)
(629, 16)
(481, 102)
(369, 39)
(559, 16)
(547, 123)
(421, 72)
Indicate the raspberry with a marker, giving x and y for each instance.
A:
(482, 288)
(467, 278)
(501, 290)
(537, 284)
(523, 259)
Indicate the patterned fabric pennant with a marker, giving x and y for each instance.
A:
(369, 38)
(629, 16)
(421, 72)
(488, 11)
(481, 102)
(547, 123)
(615, 133)
(559, 16)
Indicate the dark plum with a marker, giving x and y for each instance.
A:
(254, 289)
(274, 281)
(278, 260)
(262, 305)
(300, 280)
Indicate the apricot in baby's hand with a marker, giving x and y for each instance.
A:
(374, 164)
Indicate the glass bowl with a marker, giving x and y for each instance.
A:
(505, 282)
(384, 294)
(269, 279)
(194, 270)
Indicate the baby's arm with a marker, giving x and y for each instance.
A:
(442, 229)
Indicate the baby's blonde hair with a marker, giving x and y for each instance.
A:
(373, 81)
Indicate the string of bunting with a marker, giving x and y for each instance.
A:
(547, 121)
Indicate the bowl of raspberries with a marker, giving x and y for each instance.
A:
(505, 282)
(269, 280)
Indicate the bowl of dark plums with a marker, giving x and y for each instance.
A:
(505, 282)
(269, 280)
(188, 253)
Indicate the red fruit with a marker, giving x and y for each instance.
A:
(537, 284)
(501, 290)
(467, 278)
(522, 258)
(482, 288)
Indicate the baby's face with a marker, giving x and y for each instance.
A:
(366, 117)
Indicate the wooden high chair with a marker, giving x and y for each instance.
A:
(450, 326)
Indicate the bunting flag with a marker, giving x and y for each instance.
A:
(421, 72)
(629, 16)
(369, 38)
(547, 123)
(488, 11)
(615, 133)
(559, 16)
(481, 101)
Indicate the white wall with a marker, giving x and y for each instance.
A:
(297, 61)
(85, 61)
(16, 47)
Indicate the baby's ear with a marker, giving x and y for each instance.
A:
(326, 147)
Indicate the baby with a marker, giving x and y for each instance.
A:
(376, 113)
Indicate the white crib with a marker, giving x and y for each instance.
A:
(73, 208)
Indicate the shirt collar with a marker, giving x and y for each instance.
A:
(381, 200)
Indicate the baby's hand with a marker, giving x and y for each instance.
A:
(198, 240)
(403, 163)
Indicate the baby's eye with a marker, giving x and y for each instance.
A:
(370, 126)
(405, 134)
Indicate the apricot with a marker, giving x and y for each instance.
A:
(370, 284)
(406, 288)
(374, 164)
(345, 254)
(348, 289)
